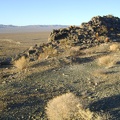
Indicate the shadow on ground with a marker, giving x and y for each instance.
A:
(23, 110)
(42, 63)
(82, 60)
(108, 104)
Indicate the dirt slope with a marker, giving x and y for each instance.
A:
(25, 93)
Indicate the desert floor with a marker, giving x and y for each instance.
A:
(24, 93)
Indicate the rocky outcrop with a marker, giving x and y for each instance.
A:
(97, 30)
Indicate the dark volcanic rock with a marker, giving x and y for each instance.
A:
(97, 30)
(5, 61)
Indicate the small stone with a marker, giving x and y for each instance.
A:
(96, 83)
(4, 82)
(36, 89)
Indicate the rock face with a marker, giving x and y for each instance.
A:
(97, 30)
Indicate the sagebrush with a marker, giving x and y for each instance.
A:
(107, 61)
(114, 47)
(21, 63)
(62, 107)
(68, 107)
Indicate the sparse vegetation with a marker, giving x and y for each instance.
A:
(48, 51)
(68, 107)
(74, 60)
(114, 47)
(75, 51)
(107, 61)
(21, 63)
(62, 107)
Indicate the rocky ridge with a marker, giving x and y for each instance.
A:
(97, 31)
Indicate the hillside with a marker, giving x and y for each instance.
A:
(79, 61)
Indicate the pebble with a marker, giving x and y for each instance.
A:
(4, 82)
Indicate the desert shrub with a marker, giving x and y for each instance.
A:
(84, 114)
(21, 63)
(62, 107)
(68, 107)
(48, 51)
(107, 61)
(75, 51)
(114, 47)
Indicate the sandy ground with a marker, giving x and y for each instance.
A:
(14, 43)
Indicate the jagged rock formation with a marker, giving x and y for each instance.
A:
(98, 29)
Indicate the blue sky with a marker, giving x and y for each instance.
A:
(51, 12)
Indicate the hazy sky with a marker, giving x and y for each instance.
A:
(60, 12)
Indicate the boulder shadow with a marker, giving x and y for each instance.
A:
(118, 62)
(5, 62)
(42, 63)
(82, 60)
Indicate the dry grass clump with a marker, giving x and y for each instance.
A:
(83, 114)
(21, 63)
(64, 43)
(107, 61)
(114, 47)
(48, 51)
(68, 107)
(86, 114)
(62, 107)
(75, 51)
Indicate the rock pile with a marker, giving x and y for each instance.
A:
(97, 30)
(34, 52)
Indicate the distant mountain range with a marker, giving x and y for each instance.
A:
(28, 28)
(6, 26)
